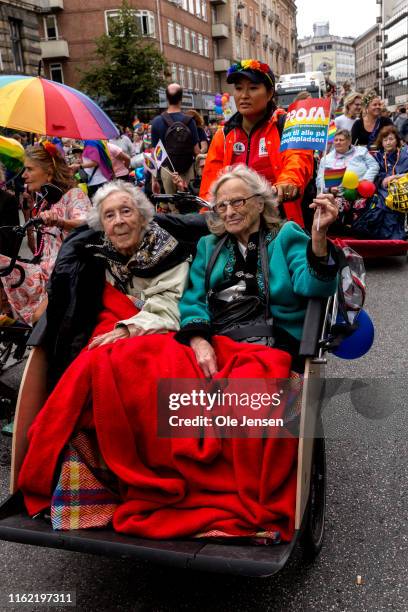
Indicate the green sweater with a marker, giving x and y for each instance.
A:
(294, 276)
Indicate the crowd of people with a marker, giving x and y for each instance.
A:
(119, 298)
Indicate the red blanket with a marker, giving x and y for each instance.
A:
(170, 487)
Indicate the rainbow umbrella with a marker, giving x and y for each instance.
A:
(34, 104)
(11, 154)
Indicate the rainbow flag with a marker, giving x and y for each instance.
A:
(11, 154)
(160, 154)
(97, 150)
(333, 177)
(332, 132)
(150, 164)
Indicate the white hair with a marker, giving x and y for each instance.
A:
(257, 184)
(140, 201)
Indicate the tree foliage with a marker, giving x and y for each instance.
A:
(128, 68)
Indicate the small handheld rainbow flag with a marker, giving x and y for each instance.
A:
(150, 164)
(332, 132)
(333, 177)
(160, 154)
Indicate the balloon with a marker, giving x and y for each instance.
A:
(360, 341)
(218, 110)
(226, 94)
(218, 99)
(350, 194)
(350, 180)
(224, 100)
(366, 189)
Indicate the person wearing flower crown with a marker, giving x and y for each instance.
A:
(252, 137)
(62, 206)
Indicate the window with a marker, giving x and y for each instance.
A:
(191, 6)
(185, 5)
(200, 44)
(56, 73)
(187, 42)
(190, 83)
(174, 72)
(198, 8)
(16, 46)
(145, 21)
(194, 42)
(170, 32)
(204, 9)
(203, 81)
(196, 79)
(206, 47)
(50, 28)
(182, 74)
(179, 36)
(209, 84)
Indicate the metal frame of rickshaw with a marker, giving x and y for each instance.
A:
(232, 558)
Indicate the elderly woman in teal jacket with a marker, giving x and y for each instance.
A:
(251, 278)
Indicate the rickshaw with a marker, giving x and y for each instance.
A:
(234, 557)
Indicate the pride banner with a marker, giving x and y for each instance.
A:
(306, 125)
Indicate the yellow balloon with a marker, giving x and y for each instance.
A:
(350, 180)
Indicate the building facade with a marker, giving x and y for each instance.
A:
(367, 53)
(333, 55)
(180, 28)
(394, 71)
(20, 51)
(252, 29)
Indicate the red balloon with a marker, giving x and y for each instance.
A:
(366, 189)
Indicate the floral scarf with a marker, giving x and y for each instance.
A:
(157, 252)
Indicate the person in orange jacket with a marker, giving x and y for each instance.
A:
(252, 137)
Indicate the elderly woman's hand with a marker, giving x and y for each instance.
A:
(205, 355)
(326, 212)
(119, 333)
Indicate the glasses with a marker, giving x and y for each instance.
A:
(221, 207)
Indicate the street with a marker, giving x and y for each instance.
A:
(366, 533)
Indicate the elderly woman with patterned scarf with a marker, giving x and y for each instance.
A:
(124, 257)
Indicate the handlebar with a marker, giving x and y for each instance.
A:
(20, 231)
(179, 198)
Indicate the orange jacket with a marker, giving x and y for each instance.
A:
(293, 166)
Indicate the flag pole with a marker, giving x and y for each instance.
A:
(324, 165)
(171, 164)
